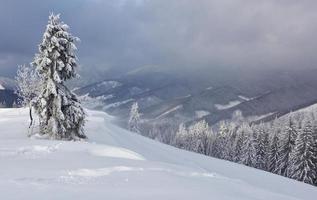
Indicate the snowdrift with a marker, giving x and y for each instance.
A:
(117, 164)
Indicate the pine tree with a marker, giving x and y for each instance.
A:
(134, 119)
(304, 160)
(262, 143)
(241, 139)
(315, 147)
(286, 145)
(180, 138)
(273, 153)
(249, 149)
(60, 113)
(229, 134)
(220, 143)
(200, 137)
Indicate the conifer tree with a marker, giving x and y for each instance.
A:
(273, 153)
(249, 149)
(230, 143)
(200, 133)
(220, 143)
(304, 160)
(134, 119)
(180, 137)
(286, 145)
(241, 138)
(59, 110)
(262, 143)
(315, 147)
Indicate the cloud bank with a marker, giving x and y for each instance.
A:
(191, 34)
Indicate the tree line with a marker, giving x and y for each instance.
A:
(286, 146)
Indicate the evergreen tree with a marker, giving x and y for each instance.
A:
(200, 137)
(241, 140)
(180, 138)
(315, 147)
(262, 143)
(229, 151)
(60, 113)
(249, 149)
(273, 153)
(134, 119)
(220, 143)
(286, 145)
(304, 160)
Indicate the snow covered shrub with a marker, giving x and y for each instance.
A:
(28, 84)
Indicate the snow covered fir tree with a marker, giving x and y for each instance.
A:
(60, 112)
(134, 118)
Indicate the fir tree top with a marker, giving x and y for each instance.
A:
(57, 51)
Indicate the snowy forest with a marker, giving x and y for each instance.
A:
(286, 146)
(140, 99)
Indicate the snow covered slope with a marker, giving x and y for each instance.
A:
(7, 83)
(116, 164)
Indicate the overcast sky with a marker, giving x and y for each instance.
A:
(127, 34)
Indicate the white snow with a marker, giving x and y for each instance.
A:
(201, 113)
(117, 164)
(92, 102)
(1, 87)
(227, 106)
(183, 97)
(105, 97)
(245, 98)
(117, 104)
(135, 90)
(170, 111)
(259, 117)
(109, 84)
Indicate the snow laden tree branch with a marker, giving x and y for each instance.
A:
(28, 87)
(28, 84)
(60, 112)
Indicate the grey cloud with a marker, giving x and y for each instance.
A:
(168, 33)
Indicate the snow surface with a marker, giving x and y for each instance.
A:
(245, 98)
(170, 111)
(117, 164)
(227, 106)
(259, 117)
(1, 87)
(117, 104)
(201, 113)
(109, 84)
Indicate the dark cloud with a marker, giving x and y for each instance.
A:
(125, 34)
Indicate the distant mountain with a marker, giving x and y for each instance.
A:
(7, 83)
(7, 95)
(213, 97)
